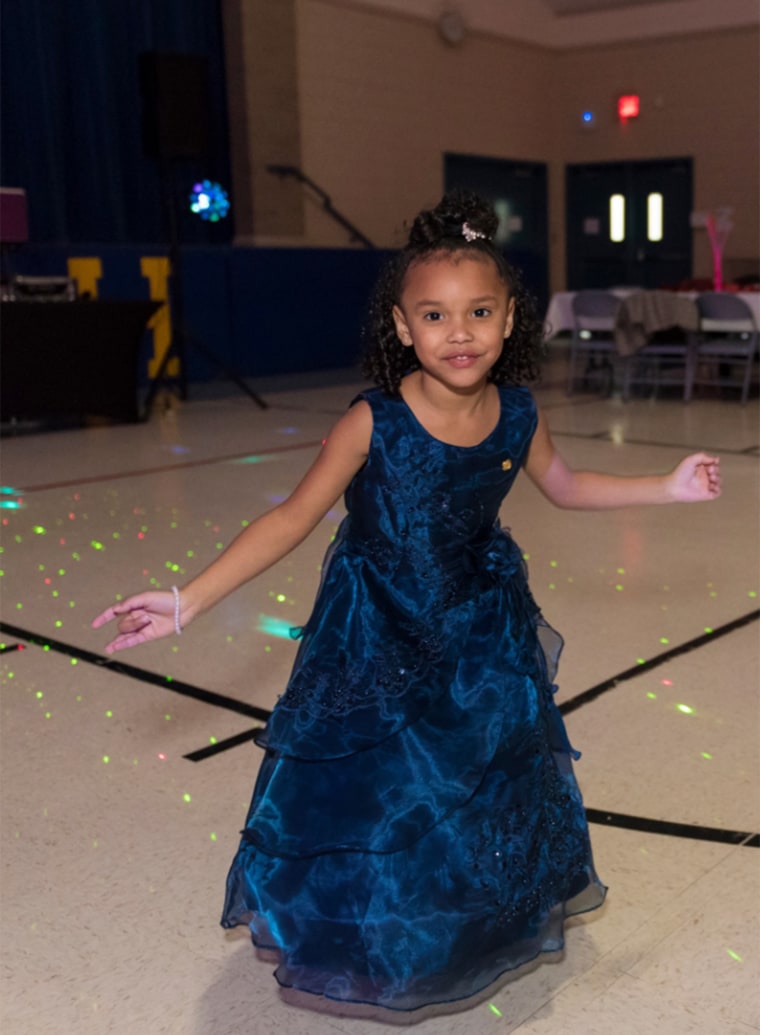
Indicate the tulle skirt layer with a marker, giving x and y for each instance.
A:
(415, 844)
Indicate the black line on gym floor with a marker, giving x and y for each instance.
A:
(664, 826)
(614, 819)
(162, 468)
(223, 745)
(176, 686)
(636, 670)
(605, 436)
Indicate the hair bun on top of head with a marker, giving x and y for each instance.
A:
(459, 214)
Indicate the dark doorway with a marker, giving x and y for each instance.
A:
(518, 193)
(628, 223)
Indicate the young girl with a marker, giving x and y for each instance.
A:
(416, 829)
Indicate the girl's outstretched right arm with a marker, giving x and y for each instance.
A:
(149, 616)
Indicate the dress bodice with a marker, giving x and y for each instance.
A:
(416, 488)
(428, 510)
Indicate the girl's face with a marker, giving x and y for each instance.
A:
(455, 311)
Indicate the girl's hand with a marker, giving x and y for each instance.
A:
(144, 617)
(697, 478)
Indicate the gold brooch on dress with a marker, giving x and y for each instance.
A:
(506, 465)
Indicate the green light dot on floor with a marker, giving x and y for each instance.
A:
(619, 588)
(212, 740)
(685, 709)
(186, 797)
(106, 759)
(708, 629)
(552, 564)
(58, 624)
(212, 837)
(651, 696)
(640, 661)
(706, 754)
(39, 695)
(664, 639)
(752, 594)
(74, 661)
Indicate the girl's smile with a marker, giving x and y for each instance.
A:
(456, 313)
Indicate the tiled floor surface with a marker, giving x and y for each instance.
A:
(115, 843)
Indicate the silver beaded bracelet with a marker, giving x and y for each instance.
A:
(177, 626)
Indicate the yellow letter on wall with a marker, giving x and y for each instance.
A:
(155, 269)
(86, 273)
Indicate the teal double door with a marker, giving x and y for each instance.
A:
(518, 192)
(628, 223)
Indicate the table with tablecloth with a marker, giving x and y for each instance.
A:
(559, 315)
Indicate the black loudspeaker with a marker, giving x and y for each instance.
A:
(175, 108)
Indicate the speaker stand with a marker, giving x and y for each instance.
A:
(180, 342)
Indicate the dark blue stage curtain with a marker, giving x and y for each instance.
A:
(71, 125)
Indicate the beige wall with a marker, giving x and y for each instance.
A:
(264, 114)
(381, 97)
(699, 98)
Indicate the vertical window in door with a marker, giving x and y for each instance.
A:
(654, 217)
(617, 217)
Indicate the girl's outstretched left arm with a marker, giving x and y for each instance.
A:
(695, 479)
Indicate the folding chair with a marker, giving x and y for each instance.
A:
(728, 339)
(593, 325)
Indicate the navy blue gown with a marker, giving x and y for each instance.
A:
(416, 829)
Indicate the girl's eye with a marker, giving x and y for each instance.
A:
(482, 311)
(432, 316)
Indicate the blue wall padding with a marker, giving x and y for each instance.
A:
(261, 311)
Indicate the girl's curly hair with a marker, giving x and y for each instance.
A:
(440, 231)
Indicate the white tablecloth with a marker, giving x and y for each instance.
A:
(559, 315)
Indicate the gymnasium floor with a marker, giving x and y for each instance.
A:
(125, 781)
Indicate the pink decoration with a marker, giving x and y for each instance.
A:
(718, 229)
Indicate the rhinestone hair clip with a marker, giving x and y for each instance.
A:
(471, 235)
